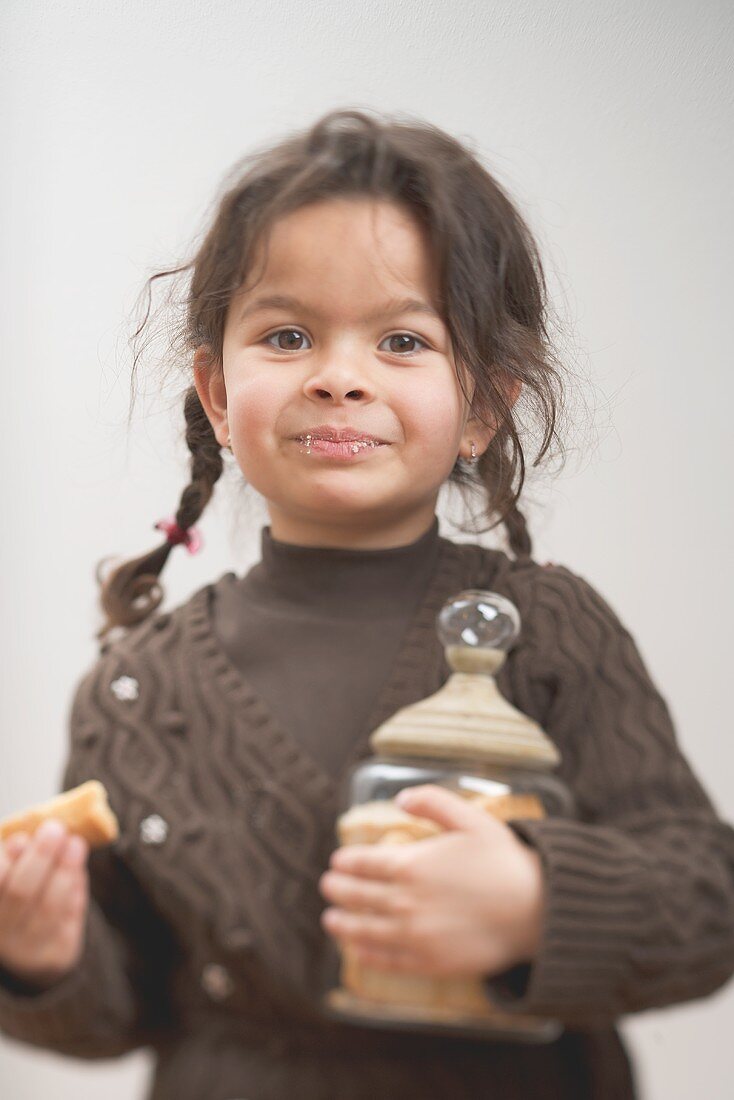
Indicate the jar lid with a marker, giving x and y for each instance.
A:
(467, 718)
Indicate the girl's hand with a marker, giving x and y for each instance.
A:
(468, 902)
(44, 894)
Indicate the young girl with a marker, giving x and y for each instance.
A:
(366, 317)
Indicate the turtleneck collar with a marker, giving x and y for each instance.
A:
(339, 581)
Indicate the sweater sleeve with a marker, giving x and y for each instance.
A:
(639, 902)
(113, 1000)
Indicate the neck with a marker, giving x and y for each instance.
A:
(343, 582)
(346, 534)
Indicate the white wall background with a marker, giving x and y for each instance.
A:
(611, 123)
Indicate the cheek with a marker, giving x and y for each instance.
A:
(254, 408)
(432, 418)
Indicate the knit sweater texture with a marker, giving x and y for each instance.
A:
(224, 731)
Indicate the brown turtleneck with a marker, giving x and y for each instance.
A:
(339, 616)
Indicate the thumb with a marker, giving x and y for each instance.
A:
(440, 805)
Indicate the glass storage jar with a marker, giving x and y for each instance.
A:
(468, 738)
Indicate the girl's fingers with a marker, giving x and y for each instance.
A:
(360, 893)
(5, 865)
(445, 807)
(10, 849)
(385, 959)
(15, 844)
(74, 853)
(65, 891)
(33, 866)
(68, 882)
(366, 929)
(377, 861)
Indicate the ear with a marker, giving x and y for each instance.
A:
(482, 427)
(209, 382)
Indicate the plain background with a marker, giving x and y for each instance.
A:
(610, 124)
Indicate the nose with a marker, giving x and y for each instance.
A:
(338, 381)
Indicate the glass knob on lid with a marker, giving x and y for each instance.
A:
(477, 629)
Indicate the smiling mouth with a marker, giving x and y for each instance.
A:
(344, 448)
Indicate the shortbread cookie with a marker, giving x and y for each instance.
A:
(382, 820)
(84, 810)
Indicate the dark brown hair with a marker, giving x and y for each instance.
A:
(492, 294)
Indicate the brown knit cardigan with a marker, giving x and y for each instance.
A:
(203, 938)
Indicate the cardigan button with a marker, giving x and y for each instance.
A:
(153, 829)
(125, 688)
(216, 981)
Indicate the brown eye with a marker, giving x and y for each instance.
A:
(286, 345)
(400, 349)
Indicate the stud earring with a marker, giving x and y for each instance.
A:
(228, 444)
(474, 456)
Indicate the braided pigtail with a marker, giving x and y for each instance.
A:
(133, 590)
(518, 534)
(499, 468)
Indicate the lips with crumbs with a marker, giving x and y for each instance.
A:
(346, 443)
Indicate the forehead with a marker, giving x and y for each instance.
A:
(344, 247)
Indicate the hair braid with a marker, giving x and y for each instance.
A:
(133, 590)
(518, 534)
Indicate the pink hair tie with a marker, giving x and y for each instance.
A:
(191, 537)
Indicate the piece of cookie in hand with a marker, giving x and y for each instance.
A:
(83, 809)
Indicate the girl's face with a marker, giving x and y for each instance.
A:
(344, 351)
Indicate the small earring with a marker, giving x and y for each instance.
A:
(474, 455)
(228, 444)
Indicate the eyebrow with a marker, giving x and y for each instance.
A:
(390, 309)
